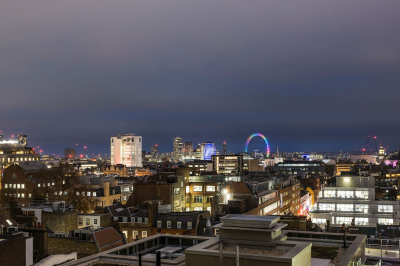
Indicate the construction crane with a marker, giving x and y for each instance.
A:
(367, 144)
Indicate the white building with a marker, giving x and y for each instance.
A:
(271, 162)
(354, 198)
(126, 149)
(369, 158)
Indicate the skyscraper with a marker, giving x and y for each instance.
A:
(178, 148)
(126, 149)
(207, 149)
(154, 153)
(224, 148)
(188, 151)
(70, 153)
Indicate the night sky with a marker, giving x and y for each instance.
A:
(309, 75)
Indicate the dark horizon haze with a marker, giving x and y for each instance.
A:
(309, 75)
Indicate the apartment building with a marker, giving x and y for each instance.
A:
(354, 198)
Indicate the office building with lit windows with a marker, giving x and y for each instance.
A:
(354, 198)
(126, 149)
(178, 149)
(300, 167)
(16, 150)
(155, 154)
(227, 164)
(188, 151)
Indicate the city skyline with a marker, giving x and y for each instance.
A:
(257, 144)
(80, 73)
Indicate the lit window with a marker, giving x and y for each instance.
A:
(18, 186)
(189, 225)
(197, 188)
(179, 225)
(385, 221)
(5, 185)
(22, 185)
(210, 188)
(94, 194)
(88, 194)
(159, 224)
(144, 234)
(385, 208)
(168, 224)
(361, 221)
(361, 208)
(344, 207)
(319, 221)
(187, 189)
(343, 220)
(362, 194)
(330, 193)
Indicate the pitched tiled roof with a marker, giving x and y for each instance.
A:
(113, 209)
(107, 238)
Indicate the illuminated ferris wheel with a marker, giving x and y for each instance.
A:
(257, 135)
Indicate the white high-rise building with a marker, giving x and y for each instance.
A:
(126, 149)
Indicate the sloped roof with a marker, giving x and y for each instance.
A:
(107, 238)
(5, 221)
(113, 209)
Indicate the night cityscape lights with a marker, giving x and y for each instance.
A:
(257, 135)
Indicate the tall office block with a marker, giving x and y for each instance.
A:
(224, 151)
(126, 149)
(178, 149)
(154, 153)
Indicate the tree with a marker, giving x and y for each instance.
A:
(62, 183)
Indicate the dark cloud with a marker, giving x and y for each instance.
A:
(310, 75)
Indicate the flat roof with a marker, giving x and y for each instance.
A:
(249, 221)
